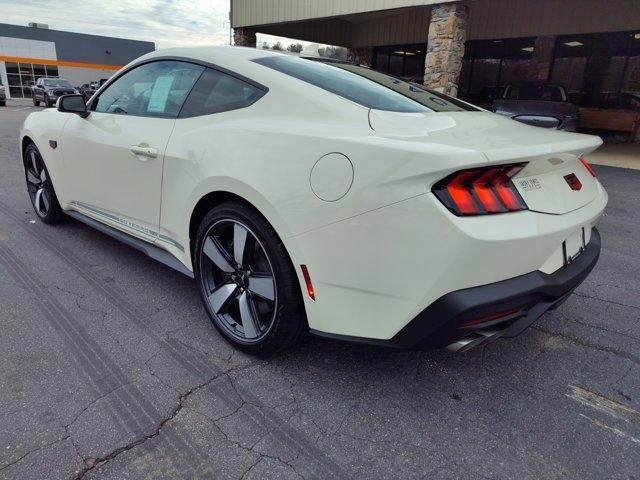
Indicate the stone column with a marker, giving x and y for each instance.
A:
(244, 37)
(445, 49)
(542, 57)
(361, 56)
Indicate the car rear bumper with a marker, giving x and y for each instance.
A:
(500, 309)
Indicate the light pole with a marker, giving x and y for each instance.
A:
(224, 22)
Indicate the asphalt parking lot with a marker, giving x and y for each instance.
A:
(110, 369)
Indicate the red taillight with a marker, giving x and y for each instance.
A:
(587, 166)
(481, 191)
(307, 279)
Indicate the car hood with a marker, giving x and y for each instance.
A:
(535, 107)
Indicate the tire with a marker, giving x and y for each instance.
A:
(3, 103)
(40, 187)
(36, 103)
(47, 102)
(233, 291)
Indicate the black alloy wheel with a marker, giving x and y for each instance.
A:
(247, 282)
(43, 197)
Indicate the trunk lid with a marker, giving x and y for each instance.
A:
(551, 155)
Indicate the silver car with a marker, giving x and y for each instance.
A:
(540, 104)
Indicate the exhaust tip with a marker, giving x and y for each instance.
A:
(473, 340)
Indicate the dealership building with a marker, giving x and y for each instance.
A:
(470, 48)
(29, 53)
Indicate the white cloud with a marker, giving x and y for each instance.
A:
(168, 23)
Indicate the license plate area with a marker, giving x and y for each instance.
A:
(573, 246)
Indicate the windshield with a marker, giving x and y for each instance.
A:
(54, 82)
(549, 93)
(362, 85)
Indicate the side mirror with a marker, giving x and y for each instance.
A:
(73, 104)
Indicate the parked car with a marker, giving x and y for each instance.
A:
(88, 89)
(307, 196)
(3, 95)
(540, 104)
(48, 90)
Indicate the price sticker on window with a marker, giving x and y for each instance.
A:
(160, 94)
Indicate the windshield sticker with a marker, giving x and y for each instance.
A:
(160, 94)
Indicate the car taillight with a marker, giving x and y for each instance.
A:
(587, 166)
(481, 191)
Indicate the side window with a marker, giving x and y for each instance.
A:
(156, 89)
(217, 92)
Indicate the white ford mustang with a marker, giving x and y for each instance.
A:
(323, 197)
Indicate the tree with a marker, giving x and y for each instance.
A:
(277, 46)
(295, 47)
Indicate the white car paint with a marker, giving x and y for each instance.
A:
(380, 247)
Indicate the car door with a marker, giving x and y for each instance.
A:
(114, 157)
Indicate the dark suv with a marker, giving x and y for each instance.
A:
(47, 90)
(88, 89)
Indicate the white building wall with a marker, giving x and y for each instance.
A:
(20, 47)
(4, 79)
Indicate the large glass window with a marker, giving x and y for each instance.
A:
(156, 89)
(489, 65)
(598, 69)
(404, 61)
(22, 76)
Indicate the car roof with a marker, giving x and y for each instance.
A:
(212, 54)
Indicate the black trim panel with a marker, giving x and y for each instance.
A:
(531, 295)
(147, 248)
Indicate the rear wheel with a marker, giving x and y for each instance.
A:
(43, 196)
(247, 282)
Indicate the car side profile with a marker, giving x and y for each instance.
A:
(323, 197)
(48, 90)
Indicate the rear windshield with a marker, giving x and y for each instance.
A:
(365, 86)
(549, 93)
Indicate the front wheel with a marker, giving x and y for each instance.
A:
(36, 102)
(247, 282)
(43, 196)
(47, 103)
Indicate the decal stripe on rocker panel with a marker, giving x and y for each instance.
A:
(127, 223)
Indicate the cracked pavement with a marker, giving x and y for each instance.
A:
(110, 369)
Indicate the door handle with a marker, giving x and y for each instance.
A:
(144, 150)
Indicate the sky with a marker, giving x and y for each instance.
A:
(168, 23)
